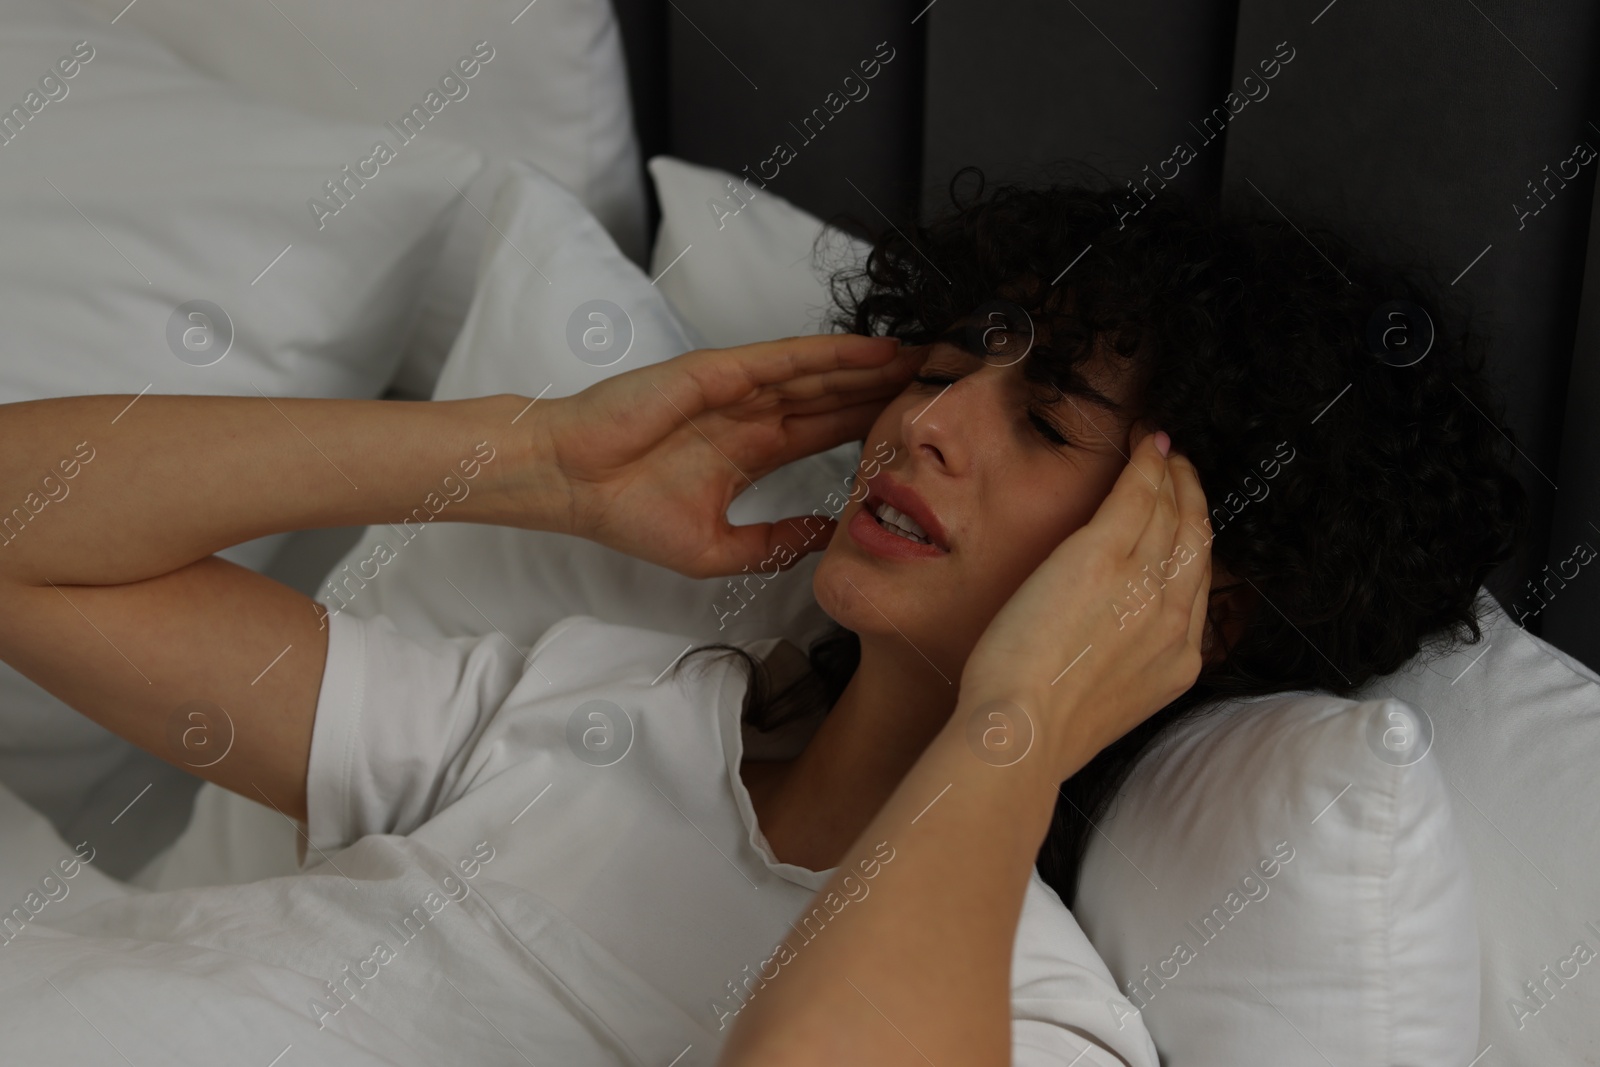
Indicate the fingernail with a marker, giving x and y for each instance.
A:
(1163, 442)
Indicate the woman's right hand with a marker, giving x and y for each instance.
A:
(647, 461)
(1107, 630)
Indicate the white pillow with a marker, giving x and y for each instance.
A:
(137, 185)
(538, 289)
(149, 185)
(554, 91)
(749, 272)
(1516, 731)
(1279, 883)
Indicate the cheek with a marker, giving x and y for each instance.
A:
(1045, 502)
(1020, 543)
(1021, 536)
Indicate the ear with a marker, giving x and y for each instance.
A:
(1233, 602)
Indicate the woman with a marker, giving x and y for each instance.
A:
(1055, 592)
(1360, 489)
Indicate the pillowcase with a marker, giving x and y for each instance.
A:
(157, 238)
(1516, 730)
(1281, 881)
(558, 308)
(753, 266)
(545, 82)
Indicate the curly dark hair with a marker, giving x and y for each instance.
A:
(1364, 542)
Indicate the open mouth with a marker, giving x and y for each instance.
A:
(897, 522)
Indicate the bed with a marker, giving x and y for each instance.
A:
(549, 160)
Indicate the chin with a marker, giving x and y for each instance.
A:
(908, 639)
(831, 585)
(859, 596)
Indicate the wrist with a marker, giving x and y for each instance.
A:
(1015, 727)
(1006, 732)
(525, 488)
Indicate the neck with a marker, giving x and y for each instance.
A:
(812, 808)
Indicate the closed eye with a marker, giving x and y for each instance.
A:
(1040, 422)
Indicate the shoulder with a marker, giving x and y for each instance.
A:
(1060, 986)
(1051, 946)
(581, 648)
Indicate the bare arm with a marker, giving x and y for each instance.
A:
(918, 970)
(111, 508)
(115, 604)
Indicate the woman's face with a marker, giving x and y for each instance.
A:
(1000, 494)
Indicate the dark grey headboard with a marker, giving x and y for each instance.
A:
(1431, 127)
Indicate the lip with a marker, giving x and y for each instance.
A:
(905, 499)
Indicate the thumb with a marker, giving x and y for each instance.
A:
(772, 546)
(804, 535)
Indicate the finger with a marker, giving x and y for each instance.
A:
(842, 399)
(1126, 510)
(767, 547)
(711, 378)
(892, 375)
(1155, 547)
(1201, 605)
(806, 435)
(1193, 529)
(805, 534)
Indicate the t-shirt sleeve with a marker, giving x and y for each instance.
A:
(397, 719)
(1064, 1002)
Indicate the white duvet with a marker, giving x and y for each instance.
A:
(250, 974)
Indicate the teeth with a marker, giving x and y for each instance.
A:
(900, 523)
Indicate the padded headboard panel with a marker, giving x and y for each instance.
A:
(1417, 127)
(722, 83)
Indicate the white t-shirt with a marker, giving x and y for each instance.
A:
(548, 859)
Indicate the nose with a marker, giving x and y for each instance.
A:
(943, 429)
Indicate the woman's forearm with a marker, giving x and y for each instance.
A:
(112, 507)
(100, 490)
(915, 966)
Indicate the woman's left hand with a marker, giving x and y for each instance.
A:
(1107, 629)
(649, 460)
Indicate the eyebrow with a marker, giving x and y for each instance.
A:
(956, 337)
